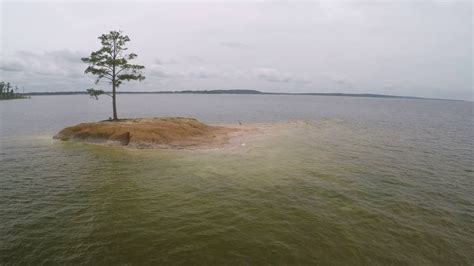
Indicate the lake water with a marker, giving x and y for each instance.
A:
(348, 181)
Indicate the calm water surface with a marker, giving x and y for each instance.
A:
(355, 181)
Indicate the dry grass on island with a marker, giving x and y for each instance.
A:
(144, 133)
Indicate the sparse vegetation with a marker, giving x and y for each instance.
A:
(110, 63)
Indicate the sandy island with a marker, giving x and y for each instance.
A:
(161, 133)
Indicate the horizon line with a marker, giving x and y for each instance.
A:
(248, 92)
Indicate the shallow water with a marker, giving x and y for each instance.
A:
(343, 181)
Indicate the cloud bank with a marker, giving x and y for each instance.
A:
(402, 48)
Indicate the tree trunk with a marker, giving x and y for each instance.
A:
(114, 104)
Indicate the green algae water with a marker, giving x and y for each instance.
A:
(341, 181)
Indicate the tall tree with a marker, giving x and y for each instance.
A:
(9, 93)
(111, 63)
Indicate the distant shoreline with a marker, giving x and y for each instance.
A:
(244, 92)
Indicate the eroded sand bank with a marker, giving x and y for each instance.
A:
(158, 133)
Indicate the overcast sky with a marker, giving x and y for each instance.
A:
(413, 48)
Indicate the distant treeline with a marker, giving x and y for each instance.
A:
(7, 91)
(154, 92)
(237, 92)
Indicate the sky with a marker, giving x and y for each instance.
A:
(410, 48)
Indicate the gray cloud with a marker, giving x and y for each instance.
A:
(194, 59)
(418, 48)
(158, 71)
(275, 75)
(168, 61)
(199, 71)
(63, 63)
(338, 80)
(190, 71)
(202, 73)
(52, 70)
(12, 66)
(237, 45)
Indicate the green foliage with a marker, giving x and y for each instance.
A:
(95, 93)
(111, 63)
